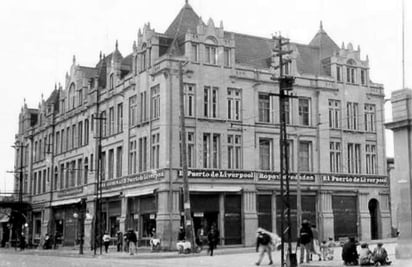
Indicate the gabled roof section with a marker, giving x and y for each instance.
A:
(308, 60)
(326, 45)
(187, 19)
(89, 72)
(253, 51)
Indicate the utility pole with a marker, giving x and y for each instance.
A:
(189, 231)
(285, 86)
(20, 146)
(299, 190)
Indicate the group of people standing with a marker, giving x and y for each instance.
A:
(211, 237)
(366, 257)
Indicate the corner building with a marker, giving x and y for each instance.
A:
(335, 132)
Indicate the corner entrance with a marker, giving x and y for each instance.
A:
(375, 218)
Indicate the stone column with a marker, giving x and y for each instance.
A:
(250, 217)
(401, 126)
(364, 217)
(385, 215)
(168, 218)
(46, 213)
(326, 219)
(88, 224)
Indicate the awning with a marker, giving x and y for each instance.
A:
(211, 188)
(139, 192)
(66, 202)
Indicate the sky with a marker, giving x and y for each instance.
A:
(39, 39)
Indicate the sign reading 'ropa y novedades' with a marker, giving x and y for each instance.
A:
(268, 176)
(218, 174)
(354, 179)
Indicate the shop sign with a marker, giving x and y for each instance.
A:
(304, 177)
(198, 214)
(218, 174)
(345, 179)
(70, 191)
(132, 179)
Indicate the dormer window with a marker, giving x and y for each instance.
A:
(111, 82)
(211, 51)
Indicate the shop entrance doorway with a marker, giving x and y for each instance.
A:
(375, 218)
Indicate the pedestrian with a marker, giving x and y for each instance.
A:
(305, 240)
(22, 241)
(331, 249)
(380, 255)
(126, 242)
(132, 238)
(349, 253)
(263, 242)
(315, 243)
(212, 238)
(365, 255)
(106, 241)
(119, 236)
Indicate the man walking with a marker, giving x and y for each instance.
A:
(263, 242)
(305, 240)
(132, 238)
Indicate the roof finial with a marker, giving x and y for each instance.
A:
(100, 55)
(321, 26)
(187, 2)
(74, 59)
(117, 44)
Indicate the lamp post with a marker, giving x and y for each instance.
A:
(81, 215)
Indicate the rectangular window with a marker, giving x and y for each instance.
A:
(211, 150)
(227, 57)
(190, 149)
(363, 77)
(304, 160)
(143, 108)
(72, 171)
(155, 105)
(132, 111)
(288, 114)
(265, 154)
(210, 102)
(211, 55)
(304, 114)
(154, 161)
(234, 151)
(352, 115)
(80, 134)
(354, 158)
(57, 149)
(142, 154)
(350, 75)
(339, 73)
(111, 121)
(334, 114)
(132, 157)
(195, 53)
(370, 117)
(62, 142)
(62, 172)
(110, 171)
(234, 104)
(103, 122)
(119, 161)
(86, 131)
(264, 107)
(335, 156)
(68, 139)
(74, 136)
(120, 117)
(189, 100)
(79, 171)
(103, 165)
(371, 162)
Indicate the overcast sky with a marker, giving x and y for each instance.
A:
(39, 39)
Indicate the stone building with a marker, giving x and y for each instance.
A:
(335, 135)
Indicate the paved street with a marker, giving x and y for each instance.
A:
(238, 257)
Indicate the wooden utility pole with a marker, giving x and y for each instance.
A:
(298, 190)
(285, 86)
(189, 230)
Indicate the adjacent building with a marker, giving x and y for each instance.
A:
(130, 104)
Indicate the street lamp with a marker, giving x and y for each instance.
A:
(81, 215)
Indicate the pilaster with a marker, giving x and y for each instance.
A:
(364, 217)
(250, 217)
(326, 219)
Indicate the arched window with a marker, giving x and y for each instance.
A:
(72, 96)
(111, 83)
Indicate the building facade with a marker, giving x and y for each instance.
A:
(126, 111)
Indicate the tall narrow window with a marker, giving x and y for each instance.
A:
(211, 150)
(227, 57)
(74, 136)
(335, 158)
(143, 108)
(304, 111)
(370, 117)
(86, 131)
(120, 117)
(142, 154)
(264, 108)
(371, 162)
(110, 170)
(154, 162)
(79, 172)
(73, 173)
(111, 121)
(354, 158)
(132, 111)
(103, 165)
(132, 157)
(155, 105)
(195, 53)
(265, 154)
(189, 100)
(111, 82)
(80, 98)
(288, 114)
(86, 171)
(191, 156)
(304, 160)
(234, 100)
(211, 54)
(119, 161)
(339, 73)
(210, 102)
(363, 77)
(57, 142)
(352, 115)
(234, 151)
(104, 123)
(80, 134)
(334, 114)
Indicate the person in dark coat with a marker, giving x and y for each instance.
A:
(132, 238)
(212, 238)
(305, 240)
(263, 242)
(119, 236)
(349, 253)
